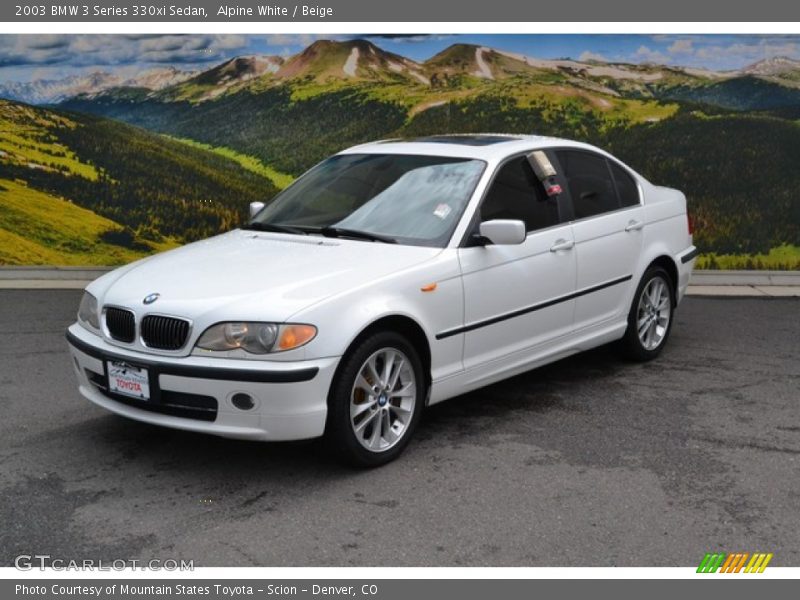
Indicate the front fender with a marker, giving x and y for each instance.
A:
(342, 318)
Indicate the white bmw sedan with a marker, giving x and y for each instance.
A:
(389, 277)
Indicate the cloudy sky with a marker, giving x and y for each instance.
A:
(32, 57)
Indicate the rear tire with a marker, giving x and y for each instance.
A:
(650, 317)
(376, 400)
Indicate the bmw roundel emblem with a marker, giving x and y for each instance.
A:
(150, 298)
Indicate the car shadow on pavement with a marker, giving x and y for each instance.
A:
(537, 391)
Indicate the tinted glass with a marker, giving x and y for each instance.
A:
(412, 199)
(516, 193)
(589, 181)
(626, 185)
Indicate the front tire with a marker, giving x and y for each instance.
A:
(650, 317)
(376, 400)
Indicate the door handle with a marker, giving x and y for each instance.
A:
(562, 244)
(634, 225)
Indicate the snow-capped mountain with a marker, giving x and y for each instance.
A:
(351, 60)
(52, 91)
(771, 67)
(359, 61)
(159, 78)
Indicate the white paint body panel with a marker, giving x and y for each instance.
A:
(502, 279)
(605, 252)
(342, 286)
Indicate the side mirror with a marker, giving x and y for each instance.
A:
(503, 231)
(255, 208)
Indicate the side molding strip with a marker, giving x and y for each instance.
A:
(530, 309)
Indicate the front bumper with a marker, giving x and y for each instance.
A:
(194, 393)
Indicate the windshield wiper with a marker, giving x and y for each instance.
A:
(331, 231)
(274, 227)
(328, 231)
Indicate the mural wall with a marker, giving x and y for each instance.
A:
(114, 147)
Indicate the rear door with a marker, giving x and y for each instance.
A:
(518, 296)
(608, 228)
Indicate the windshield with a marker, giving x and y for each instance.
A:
(404, 198)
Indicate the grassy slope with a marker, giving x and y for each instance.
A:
(27, 139)
(38, 228)
(280, 180)
(80, 189)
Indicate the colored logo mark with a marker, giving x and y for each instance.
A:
(736, 562)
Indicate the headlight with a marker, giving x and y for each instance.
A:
(87, 312)
(256, 338)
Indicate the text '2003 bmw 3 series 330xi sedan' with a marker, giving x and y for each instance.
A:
(391, 276)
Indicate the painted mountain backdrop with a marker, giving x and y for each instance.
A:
(172, 155)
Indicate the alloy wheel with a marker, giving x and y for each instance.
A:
(653, 313)
(382, 399)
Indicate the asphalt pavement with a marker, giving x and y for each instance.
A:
(592, 461)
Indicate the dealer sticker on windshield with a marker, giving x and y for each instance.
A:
(442, 210)
(128, 380)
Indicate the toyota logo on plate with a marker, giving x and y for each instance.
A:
(150, 298)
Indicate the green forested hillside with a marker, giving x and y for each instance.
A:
(741, 93)
(288, 135)
(294, 126)
(739, 173)
(148, 192)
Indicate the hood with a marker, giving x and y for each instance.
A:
(253, 275)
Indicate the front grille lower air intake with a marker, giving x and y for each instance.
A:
(164, 333)
(121, 324)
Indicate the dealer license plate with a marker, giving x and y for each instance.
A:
(128, 380)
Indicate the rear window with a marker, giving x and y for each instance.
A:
(590, 184)
(626, 185)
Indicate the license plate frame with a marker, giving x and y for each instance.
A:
(128, 380)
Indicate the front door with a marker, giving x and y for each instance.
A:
(518, 296)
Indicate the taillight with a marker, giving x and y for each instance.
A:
(689, 223)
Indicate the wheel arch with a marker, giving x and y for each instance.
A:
(668, 264)
(405, 326)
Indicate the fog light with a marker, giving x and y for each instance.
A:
(243, 401)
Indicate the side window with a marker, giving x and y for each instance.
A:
(589, 181)
(626, 186)
(516, 193)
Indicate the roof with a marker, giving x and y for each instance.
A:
(483, 146)
(476, 139)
